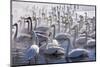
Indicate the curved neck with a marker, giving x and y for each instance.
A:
(75, 35)
(76, 31)
(35, 20)
(66, 25)
(35, 25)
(88, 28)
(28, 25)
(86, 37)
(35, 38)
(68, 46)
(54, 29)
(69, 26)
(16, 31)
(59, 29)
(85, 16)
(76, 16)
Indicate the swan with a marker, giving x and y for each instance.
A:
(87, 28)
(52, 39)
(76, 15)
(19, 36)
(24, 29)
(35, 21)
(91, 46)
(92, 35)
(19, 44)
(22, 25)
(54, 30)
(20, 33)
(91, 43)
(64, 41)
(81, 22)
(93, 23)
(82, 39)
(48, 48)
(86, 17)
(29, 21)
(39, 30)
(76, 34)
(52, 51)
(23, 37)
(33, 51)
(77, 55)
(14, 49)
(43, 32)
(80, 42)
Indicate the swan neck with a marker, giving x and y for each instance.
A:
(35, 25)
(30, 26)
(54, 29)
(68, 46)
(35, 39)
(76, 31)
(16, 31)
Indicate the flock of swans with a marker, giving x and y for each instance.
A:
(53, 39)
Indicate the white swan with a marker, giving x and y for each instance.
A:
(19, 44)
(33, 51)
(91, 46)
(63, 40)
(52, 49)
(53, 52)
(75, 33)
(77, 55)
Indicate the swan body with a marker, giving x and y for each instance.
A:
(42, 28)
(61, 36)
(43, 33)
(78, 54)
(91, 42)
(93, 35)
(91, 46)
(81, 40)
(51, 48)
(32, 52)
